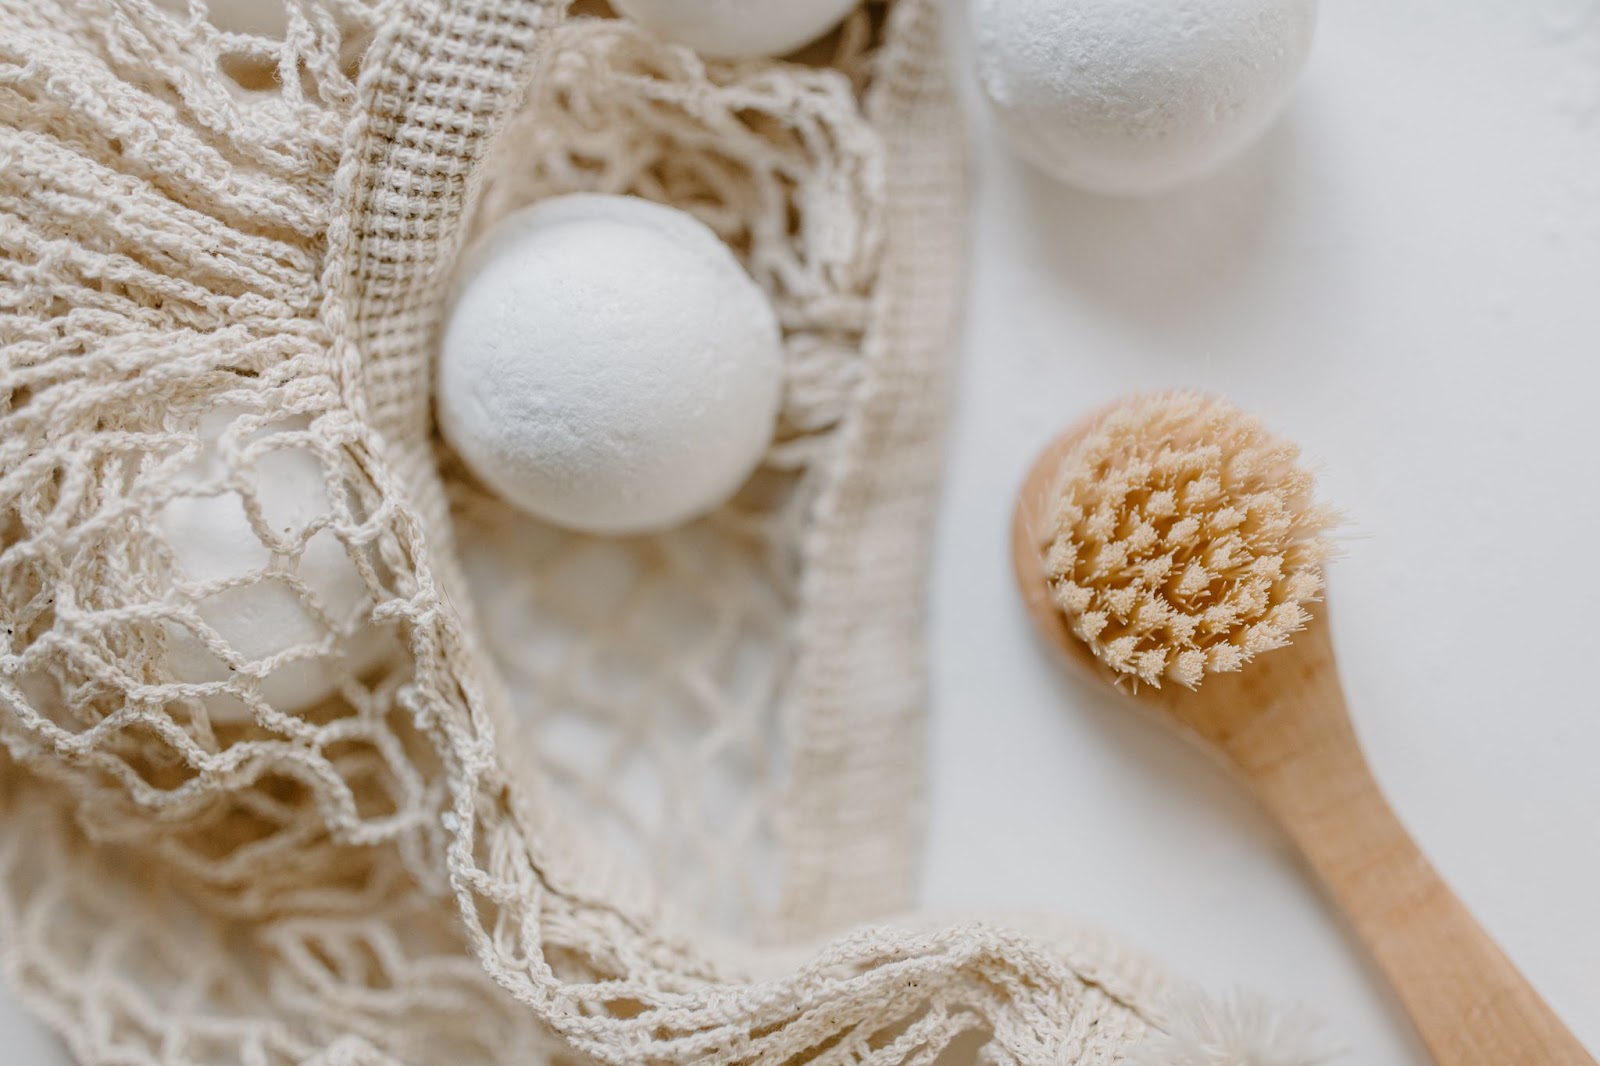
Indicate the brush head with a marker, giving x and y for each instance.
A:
(1177, 536)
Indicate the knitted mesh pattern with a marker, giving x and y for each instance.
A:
(653, 694)
(223, 262)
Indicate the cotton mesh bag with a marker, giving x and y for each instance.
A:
(560, 799)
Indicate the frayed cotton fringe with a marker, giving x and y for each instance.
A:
(1242, 1030)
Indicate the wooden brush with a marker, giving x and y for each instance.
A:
(1172, 545)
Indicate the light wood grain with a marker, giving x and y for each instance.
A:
(1283, 726)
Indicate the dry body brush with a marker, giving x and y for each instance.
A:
(1183, 539)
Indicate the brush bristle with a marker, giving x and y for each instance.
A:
(1184, 539)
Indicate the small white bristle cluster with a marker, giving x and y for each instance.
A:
(1184, 539)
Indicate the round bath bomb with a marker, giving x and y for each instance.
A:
(736, 29)
(1133, 97)
(608, 365)
(213, 541)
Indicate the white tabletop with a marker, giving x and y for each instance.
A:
(1405, 277)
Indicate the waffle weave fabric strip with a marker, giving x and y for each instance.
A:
(645, 801)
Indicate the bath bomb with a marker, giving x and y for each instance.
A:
(608, 365)
(1134, 97)
(736, 29)
(212, 540)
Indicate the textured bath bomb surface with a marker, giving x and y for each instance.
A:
(608, 365)
(735, 29)
(213, 541)
(1133, 97)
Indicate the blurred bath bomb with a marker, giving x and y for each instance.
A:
(1132, 97)
(214, 543)
(736, 29)
(608, 365)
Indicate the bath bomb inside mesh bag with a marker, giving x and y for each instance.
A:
(1135, 97)
(608, 366)
(737, 29)
(307, 599)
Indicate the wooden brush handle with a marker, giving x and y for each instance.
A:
(1282, 722)
(1471, 1005)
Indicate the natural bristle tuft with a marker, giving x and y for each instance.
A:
(1183, 539)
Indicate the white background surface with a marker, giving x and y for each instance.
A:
(1405, 277)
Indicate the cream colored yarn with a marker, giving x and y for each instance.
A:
(560, 825)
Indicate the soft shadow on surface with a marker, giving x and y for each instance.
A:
(1152, 747)
(1149, 747)
(1160, 259)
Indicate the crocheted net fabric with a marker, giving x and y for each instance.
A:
(572, 800)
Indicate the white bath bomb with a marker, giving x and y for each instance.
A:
(213, 541)
(736, 29)
(1132, 97)
(608, 365)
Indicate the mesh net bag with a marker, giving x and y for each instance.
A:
(463, 787)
